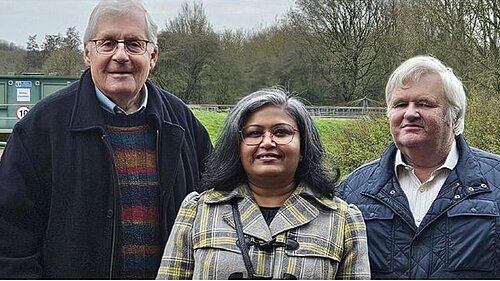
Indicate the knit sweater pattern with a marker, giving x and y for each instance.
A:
(137, 173)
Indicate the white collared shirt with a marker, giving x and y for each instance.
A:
(422, 195)
(110, 106)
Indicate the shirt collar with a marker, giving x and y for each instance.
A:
(450, 162)
(108, 105)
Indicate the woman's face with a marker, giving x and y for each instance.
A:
(271, 161)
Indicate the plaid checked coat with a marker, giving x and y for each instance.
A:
(330, 233)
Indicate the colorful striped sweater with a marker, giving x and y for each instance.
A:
(137, 171)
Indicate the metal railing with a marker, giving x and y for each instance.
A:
(315, 111)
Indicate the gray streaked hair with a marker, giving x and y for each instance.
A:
(414, 68)
(224, 170)
(118, 8)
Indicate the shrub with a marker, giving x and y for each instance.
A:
(482, 122)
(357, 143)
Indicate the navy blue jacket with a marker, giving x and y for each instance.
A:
(59, 205)
(459, 238)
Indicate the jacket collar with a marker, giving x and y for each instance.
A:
(467, 170)
(465, 180)
(297, 210)
(87, 112)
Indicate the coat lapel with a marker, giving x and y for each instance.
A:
(251, 218)
(253, 222)
(296, 211)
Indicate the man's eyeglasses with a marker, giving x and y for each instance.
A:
(132, 46)
(281, 134)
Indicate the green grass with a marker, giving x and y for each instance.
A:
(213, 121)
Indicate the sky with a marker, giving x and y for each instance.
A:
(22, 18)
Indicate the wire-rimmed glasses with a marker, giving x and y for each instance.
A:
(281, 134)
(132, 46)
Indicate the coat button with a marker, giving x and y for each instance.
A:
(457, 196)
(109, 214)
(474, 210)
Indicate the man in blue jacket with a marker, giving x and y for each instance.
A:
(431, 202)
(92, 177)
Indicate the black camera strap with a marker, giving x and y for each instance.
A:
(241, 242)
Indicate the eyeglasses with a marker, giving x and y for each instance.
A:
(281, 134)
(132, 46)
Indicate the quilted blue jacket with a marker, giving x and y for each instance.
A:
(459, 238)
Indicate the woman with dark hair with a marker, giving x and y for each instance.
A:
(268, 208)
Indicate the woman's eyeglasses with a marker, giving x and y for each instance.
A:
(281, 134)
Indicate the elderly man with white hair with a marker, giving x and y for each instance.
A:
(431, 202)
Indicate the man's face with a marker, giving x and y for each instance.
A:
(417, 116)
(121, 75)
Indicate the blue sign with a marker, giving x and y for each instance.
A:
(23, 84)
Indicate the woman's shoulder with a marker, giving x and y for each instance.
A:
(340, 206)
(350, 212)
(191, 200)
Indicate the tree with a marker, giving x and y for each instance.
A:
(342, 39)
(225, 77)
(11, 57)
(188, 47)
(33, 59)
(52, 43)
(63, 55)
(63, 61)
(72, 39)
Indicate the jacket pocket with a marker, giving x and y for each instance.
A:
(216, 255)
(472, 235)
(316, 257)
(379, 229)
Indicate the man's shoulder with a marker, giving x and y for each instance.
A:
(165, 95)
(487, 160)
(364, 170)
(357, 180)
(177, 109)
(483, 154)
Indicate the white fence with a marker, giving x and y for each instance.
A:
(315, 111)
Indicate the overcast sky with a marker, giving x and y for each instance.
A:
(22, 18)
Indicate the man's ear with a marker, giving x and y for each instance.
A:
(153, 58)
(86, 56)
